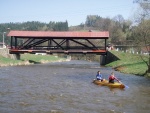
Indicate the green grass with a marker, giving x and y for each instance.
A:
(31, 58)
(129, 63)
(39, 58)
(4, 60)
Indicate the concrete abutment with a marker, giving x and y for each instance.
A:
(5, 53)
(108, 58)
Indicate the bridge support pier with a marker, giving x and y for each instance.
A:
(103, 59)
(17, 56)
(108, 58)
(68, 57)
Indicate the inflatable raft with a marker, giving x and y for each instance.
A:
(106, 83)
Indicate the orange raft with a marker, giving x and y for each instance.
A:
(106, 83)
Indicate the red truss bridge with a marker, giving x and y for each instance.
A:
(68, 42)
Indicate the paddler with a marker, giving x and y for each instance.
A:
(112, 78)
(99, 76)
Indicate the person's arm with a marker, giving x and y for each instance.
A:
(117, 79)
(101, 75)
(97, 76)
(110, 77)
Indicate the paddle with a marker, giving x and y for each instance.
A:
(126, 86)
(123, 84)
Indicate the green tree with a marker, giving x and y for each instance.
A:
(91, 20)
(61, 26)
(118, 34)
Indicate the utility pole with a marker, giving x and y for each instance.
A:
(3, 38)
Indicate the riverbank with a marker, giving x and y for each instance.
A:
(129, 63)
(28, 59)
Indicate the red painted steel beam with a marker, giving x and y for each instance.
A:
(15, 51)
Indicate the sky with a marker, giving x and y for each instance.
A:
(74, 11)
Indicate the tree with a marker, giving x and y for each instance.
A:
(118, 36)
(91, 20)
(141, 32)
(61, 26)
(119, 30)
(141, 36)
(119, 20)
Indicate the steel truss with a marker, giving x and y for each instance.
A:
(57, 45)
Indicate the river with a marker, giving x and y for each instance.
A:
(66, 87)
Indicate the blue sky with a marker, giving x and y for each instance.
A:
(74, 11)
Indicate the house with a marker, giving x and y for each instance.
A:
(146, 50)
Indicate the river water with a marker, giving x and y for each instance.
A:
(66, 87)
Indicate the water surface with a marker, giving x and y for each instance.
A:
(67, 87)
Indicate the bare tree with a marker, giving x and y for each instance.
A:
(141, 32)
(141, 35)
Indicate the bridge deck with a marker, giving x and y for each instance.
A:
(16, 51)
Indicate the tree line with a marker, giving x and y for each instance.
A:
(31, 26)
(118, 27)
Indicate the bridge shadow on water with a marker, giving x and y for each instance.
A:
(34, 62)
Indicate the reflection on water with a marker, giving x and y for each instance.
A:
(67, 88)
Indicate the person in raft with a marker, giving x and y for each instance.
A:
(112, 78)
(99, 76)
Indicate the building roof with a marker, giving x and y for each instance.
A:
(60, 34)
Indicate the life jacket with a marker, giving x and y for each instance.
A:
(99, 76)
(111, 77)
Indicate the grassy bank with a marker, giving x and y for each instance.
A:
(27, 59)
(129, 63)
